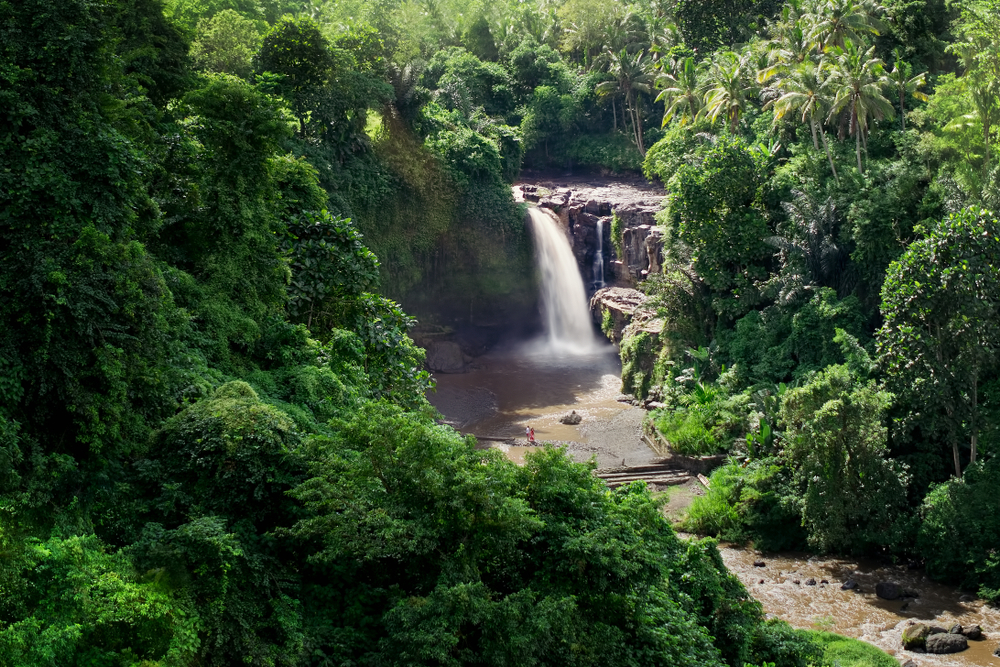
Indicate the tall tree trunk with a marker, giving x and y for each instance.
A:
(857, 149)
(829, 157)
(614, 114)
(812, 126)
(975, 425)
(902, 109)
(637, 126)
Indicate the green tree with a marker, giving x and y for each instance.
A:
(680, 91)
(807, 91)
(632, 79)
(858, 79)
(728, 88)
(226, 44)
(836, 22)
(85, 314)
(852, 493)
(905, 84)
(712, 217)
(941, 334)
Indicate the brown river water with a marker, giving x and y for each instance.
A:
(859, 613)
(531, 384)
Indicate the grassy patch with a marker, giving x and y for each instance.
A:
(846, 652)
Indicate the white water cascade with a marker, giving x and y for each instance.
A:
(564, 299)
(599, 257)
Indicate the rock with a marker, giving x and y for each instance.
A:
(973, 632)
(945, 642)
(997, 652)
(810, 582)
(956, 629)
(445, 357)
(937, 630)
(823, 581)
(761, 581)
(759, 563)
(888, 590)
(796, 582)
(572, 419)
(967, 598)
(909, 663)
(915, 636)
(849, 585)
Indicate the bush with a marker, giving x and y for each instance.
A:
(757, 503)
(840, 651)
(960, 529)
(707, 421)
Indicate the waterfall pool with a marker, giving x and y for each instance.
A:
(534, 384)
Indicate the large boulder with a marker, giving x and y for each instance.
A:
(445, 357)
(571, 419)
(888, 590)
(915, 636)
(973, 632)
(945, 642)
(624, 305)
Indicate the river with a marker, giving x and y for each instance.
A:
(859, 613)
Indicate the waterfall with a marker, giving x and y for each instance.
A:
(599, 257)
(564, 300)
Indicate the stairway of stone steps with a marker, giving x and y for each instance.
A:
(660, 474)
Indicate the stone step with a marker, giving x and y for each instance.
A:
(643, 475)
(667, 480)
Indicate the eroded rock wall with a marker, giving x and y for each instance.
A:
(584, 207)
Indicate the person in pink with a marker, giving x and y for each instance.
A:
(531, 435)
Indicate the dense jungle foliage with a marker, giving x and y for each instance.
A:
(215, 447)
(214, 443)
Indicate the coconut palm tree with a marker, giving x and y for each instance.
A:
(679, 92)
(728, 87)
(807, 92)
(858, 78)
(905, 84)
(837, 21)
(632, 79)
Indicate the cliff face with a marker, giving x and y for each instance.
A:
(586, 206)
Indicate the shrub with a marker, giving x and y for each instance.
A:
(960, 529)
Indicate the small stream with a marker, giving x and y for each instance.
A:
(859, 613)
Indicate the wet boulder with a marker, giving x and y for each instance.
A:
(849, 585)
(945, 642)
(915, 636)
(973, 632)
(571, 419)
(888, 590)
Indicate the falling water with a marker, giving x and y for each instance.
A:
(599, 257)
(564, 300)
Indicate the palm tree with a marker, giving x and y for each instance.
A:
(812, 237)
(837, 21)
(905, 84)
(728, 87)
(858, 79)
(680, 93)
(632, 78)
(807, 91)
